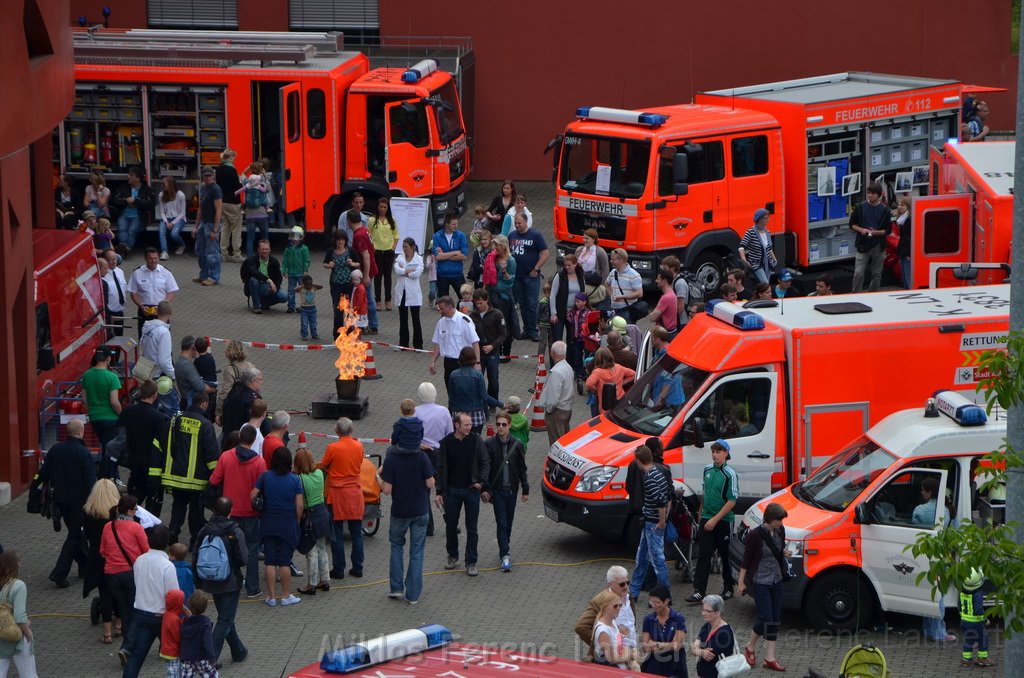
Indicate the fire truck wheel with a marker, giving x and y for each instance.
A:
(838, 601)
(709, 269)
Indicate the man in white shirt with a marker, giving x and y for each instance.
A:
(556, 398)
(453, 332)
(149, 285)
(618, 583)
(117, 291)
(625, 287)
(154, 577)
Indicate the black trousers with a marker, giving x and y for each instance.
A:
(73, 549)
(186, 501)
(403, 325)
(709, 543)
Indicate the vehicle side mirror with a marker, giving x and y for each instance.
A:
(862, 514)
(698, 432)
(680, 174)
(555, 148)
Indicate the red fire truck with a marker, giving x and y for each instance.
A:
(687, 179)
(171, 102)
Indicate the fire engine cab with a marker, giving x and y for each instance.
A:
(171, 102)
(850, 522)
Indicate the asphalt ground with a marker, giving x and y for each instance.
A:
(556, 568)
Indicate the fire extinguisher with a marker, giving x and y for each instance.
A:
(89, 156)
(107, 148)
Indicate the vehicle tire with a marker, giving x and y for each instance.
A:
(709, 269)
(839, 601)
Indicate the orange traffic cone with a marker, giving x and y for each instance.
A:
(370, 367)
(302, 438)
(537, 422)
(541, 377)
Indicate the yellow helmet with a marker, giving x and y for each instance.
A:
(164, 385)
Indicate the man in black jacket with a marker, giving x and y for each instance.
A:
(190, 455)
(146, 429)
(239, 400)
(490, 328)
(226, 176)
(135, 199)
(463, 468)
(71, 472)
(508, 471)
(261, 275)
(226, 592)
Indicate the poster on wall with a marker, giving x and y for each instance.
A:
(920, 175)
(851, 184)
(413, 217)
(904, 182)
(826, 181)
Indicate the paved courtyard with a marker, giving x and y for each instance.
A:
(556, 567)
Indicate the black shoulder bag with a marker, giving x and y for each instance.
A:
(784, 565)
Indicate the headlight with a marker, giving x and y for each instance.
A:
(442, 206)
(596, 478)
(642, 264)
(796, 549)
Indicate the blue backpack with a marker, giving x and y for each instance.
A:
(212, 561)
(255, 198)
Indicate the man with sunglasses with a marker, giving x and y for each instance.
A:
(618, 583)
(508, 472)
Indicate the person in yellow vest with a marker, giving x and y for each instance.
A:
(190, 455)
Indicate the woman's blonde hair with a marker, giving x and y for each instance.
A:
(604, 599)
(235, 352)
(102, 498)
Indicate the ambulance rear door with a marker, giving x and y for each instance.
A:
(891, 519)
(940, 232)
(291, 149)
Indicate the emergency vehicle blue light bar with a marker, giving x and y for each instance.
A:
(621, 115)
(419, 70)
(385, 648)
(959, 409)
(746, 321)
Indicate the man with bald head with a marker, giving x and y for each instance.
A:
(71, 472)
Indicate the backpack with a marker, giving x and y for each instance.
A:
(696, 293)
(865, 660)
(212, 560)
(255, 198)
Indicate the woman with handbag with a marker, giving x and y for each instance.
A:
(17, 645)
(564, 286)
(102, 498)
(315, 527)
(762, 570)
(625, 288)
(715, 642)
(123, 541)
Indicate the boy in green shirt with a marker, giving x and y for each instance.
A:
(721, 489)
(294, 264)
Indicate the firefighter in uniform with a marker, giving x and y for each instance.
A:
(190, 455)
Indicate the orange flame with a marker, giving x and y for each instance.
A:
(351, 362)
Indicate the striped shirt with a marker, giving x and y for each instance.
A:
(656, 493)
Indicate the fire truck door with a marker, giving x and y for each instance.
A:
(940, 232)
(407, 143)
(896, 514)
(291, 146)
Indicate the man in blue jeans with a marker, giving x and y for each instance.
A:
(225, 592)
(261, 274)
(154, 577)
(651, 551)
(462, 470)
(211, 201)
(531, 252)
(408, 476)
(508, 472)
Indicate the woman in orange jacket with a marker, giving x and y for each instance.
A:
(607, 373)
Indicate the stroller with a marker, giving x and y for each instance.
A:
(863, 661)
(371, 493)
(680, 538)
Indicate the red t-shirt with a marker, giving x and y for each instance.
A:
(361, 243)
(270, 443)
(668, 319)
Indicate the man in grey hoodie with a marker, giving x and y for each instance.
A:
(155, 344)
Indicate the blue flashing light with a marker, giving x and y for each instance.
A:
(746, 321)
(653, 119)
(621, 115)
(419, 70)
(709, 306)
(437, 635)
(583, 111)
(345, 660)
(959, 409)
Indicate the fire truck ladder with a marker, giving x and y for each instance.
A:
(213, 48)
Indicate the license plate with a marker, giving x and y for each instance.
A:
(551, 513)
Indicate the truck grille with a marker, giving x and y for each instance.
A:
(456, 167)
(607, 227)
(557, 475)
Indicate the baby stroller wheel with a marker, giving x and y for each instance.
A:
(94, 610)
(371, 519)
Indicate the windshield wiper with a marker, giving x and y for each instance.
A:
(803, 495)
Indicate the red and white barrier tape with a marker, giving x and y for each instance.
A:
(326, 347)
(331, 436)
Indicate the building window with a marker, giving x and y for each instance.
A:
(360, 19)
(222, 14)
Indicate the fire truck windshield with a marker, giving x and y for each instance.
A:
(449, 120)
(605, 166)
(840, 480)
(657, 396)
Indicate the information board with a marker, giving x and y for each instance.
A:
(412, 216)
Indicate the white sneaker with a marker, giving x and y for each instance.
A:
(179, 250)
(506, 564)
(163, 256)
(395, 594)
(291, 600)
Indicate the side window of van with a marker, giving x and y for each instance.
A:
(750, 156)
(706, 162)
(736, 409)
(910, 499)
